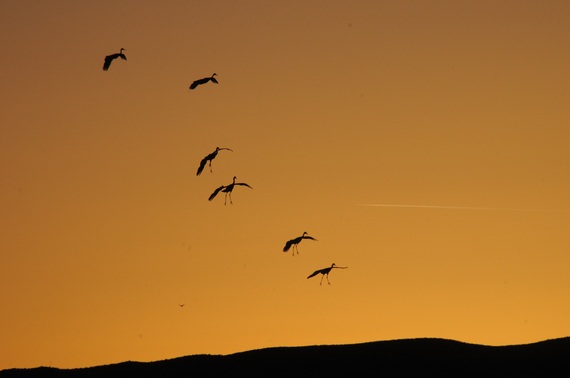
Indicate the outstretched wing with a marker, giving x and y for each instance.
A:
(213, 195)
(195, 83)
(315, 273)
(202, 165)
(214, 80)
(243, 184)
(108, 60)
(288, 245)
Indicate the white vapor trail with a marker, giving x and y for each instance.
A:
(457, 207)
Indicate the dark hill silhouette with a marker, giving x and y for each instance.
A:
(410, 357)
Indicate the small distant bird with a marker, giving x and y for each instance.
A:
(325, 272)
(110, 58)
(228, 190)
(181, 305)
(295, 242)
(208, 159)
(195, 83)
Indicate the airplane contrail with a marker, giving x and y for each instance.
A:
(458, 207)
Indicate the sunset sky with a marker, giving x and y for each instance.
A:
(425, 144)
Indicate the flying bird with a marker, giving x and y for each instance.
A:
(110, 58)
(228, 190)
(325, 272)
(195, 83)
(295, 242)
(181, 305)
(208, 159)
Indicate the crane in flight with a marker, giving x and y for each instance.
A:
(208, 159)
(295, 243)
(228, 190)
(195, 83)
(109, 59)
(325, 272)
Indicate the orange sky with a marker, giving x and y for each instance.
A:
(458, 108)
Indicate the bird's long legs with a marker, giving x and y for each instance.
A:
(323, 276)
(226, 198)
(295, 249)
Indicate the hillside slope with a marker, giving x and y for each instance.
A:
(408, 357)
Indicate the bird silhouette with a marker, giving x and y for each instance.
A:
(195, 83)
(295, 243)
(208, 159)
(109, 59)
(325, 272)
(181, 305)
(228, 190)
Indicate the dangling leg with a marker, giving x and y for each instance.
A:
(210, 164)
(328, 279)
(322, 276)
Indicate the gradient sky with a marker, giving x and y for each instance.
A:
(455, 112)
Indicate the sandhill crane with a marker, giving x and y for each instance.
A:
(195, 83)
(325, 272)
(208, 159)
(228, 190)
(110, 58)
(294, 243)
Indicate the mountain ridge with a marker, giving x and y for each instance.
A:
(400, 357)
